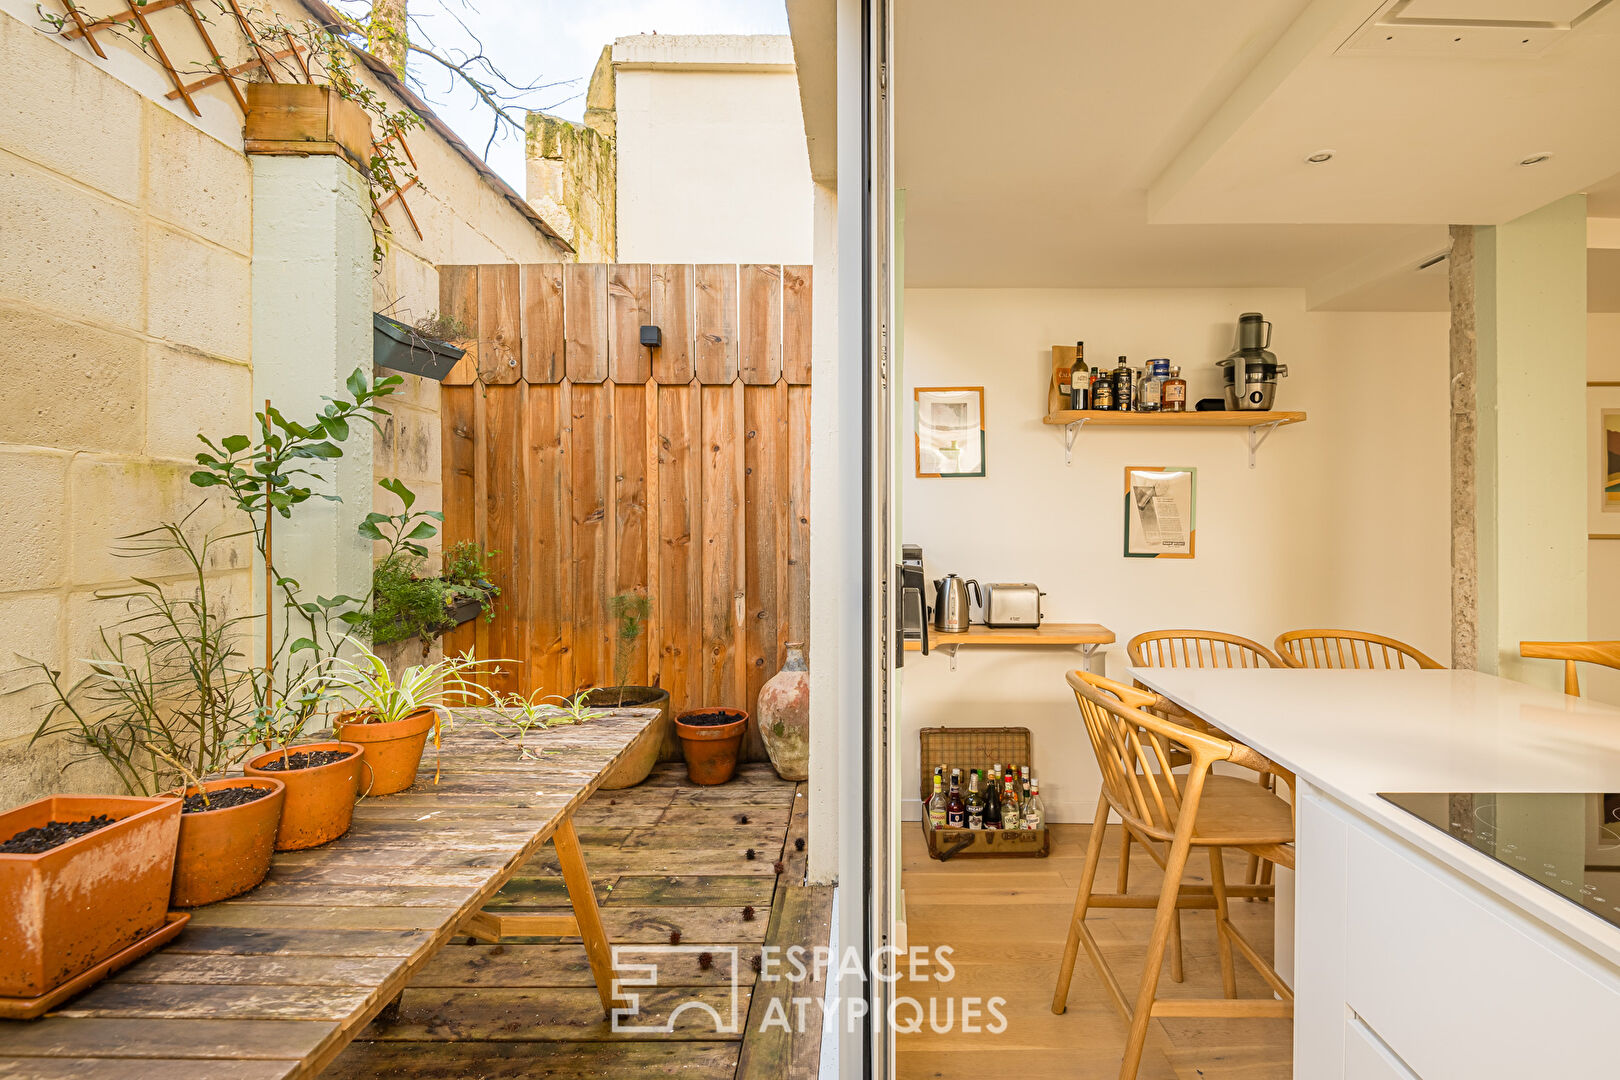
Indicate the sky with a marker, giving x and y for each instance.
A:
(551, 41)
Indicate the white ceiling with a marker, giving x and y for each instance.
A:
(1055, 143)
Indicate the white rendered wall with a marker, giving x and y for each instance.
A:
(712, 163)
(1344, 522)
(1602, 556)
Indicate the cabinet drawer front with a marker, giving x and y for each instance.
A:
(1367, 1058)
(1460, 985)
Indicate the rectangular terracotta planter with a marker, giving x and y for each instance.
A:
(66, 910)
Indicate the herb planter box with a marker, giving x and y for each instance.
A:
(399, 348)
(65, 910)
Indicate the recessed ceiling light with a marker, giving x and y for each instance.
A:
(1535, 159)
(1320, 156)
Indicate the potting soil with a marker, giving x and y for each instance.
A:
(52, 834)
(224, 799)
(304, 759)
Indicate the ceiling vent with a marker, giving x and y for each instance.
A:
(1474, 29)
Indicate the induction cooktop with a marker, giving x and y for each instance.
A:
(1568, 843)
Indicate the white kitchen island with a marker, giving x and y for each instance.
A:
(1414, 955)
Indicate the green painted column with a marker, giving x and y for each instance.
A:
(1524, 475)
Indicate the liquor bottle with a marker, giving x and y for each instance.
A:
(1009, 794)
(1035, 811)
(992, 799)
(1065, 377)
(936, 805)
(1175, 392)
(1152, 393)
(1080, 394)
(1124, 386)
(955, 808)
(1009, 805)
(1102, 390)
(975, 802)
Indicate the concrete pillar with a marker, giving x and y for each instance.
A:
(312, 269)
(1518, 461)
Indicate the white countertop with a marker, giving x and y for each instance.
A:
(1352, 734)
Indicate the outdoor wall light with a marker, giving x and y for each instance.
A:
(652, 337)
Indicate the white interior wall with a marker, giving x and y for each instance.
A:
(1344, 521)
(1602, 556)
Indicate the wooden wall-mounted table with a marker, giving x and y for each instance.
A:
(275, 983)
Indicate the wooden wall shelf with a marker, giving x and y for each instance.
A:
(1181, 419)
(1260, 425)
(1085, 636)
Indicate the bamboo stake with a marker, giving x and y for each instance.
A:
(269, 577)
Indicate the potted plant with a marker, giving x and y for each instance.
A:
(525, 713)
(406, 602)
(710, 739)
(424, 349)
(629, 612)
(391, 719)
(167, 699)
(83, 879)
(322, 778)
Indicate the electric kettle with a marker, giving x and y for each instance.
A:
(952, 609)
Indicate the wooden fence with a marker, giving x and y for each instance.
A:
(598, 466)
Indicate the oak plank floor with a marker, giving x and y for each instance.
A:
(1006, 920)
(666, 858)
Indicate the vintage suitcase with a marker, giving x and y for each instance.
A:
(976, 748)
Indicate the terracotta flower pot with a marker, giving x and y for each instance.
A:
(641, 755)
(226, 852)
(392, 751)
(784, 716)
(65, 910)
(320, 801)
(711, 749)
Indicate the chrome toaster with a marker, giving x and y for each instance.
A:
(1012, 604)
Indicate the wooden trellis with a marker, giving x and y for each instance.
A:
(266, 57)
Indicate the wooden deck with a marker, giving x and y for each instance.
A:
(667, 857)
(1007, 919)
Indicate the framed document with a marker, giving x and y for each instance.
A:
(1160, 512)
(1603, 468)
(950, 431)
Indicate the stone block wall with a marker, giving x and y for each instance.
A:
(126, 328)
(124, 320)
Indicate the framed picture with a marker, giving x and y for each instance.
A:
(950, 431)
(1603, 469)
(1160, 512)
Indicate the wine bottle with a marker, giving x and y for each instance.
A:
(955, 808)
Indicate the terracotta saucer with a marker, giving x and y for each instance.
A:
(28, 1008)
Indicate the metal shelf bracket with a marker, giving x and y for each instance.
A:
(1258, 435)
(1070, 430)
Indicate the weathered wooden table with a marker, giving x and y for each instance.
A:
(275, 983)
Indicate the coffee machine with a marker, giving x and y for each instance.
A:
(911, 598)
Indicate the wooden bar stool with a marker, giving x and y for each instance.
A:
(1606, 653)
(1349, 649)
(1170, 815)
(1196, 649)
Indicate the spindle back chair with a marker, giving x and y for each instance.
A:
(1606, 653)
(1349, 649)
(1169, 813)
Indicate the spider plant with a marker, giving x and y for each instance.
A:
(364, 686)
(534, 711)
